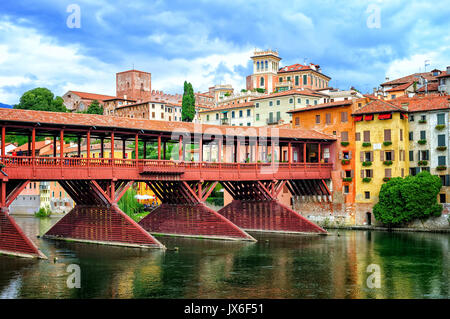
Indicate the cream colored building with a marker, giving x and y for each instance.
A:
(241, 114)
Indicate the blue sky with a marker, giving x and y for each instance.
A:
(210, 42)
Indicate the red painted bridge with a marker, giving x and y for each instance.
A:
(252, 164)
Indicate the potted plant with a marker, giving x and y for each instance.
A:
(345, 143)
(441, 168)
(422, 142)
(387, 143)
(441, 148)
(366, 144)
(345, 161)
(347, 179)
(387, 163)
(440, 127)
(422, 121)
(366, 179)
(386, 179)
(422, 163)
(367, 163)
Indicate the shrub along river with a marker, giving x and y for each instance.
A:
(412, 265)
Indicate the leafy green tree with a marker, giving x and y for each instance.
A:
(188, 103)
(130, 205)
(152, 150)
(41, 99)
(405, 199)
(95, 108)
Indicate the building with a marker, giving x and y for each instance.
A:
(204, 99)
(381, 152)
(110, 105)
(394, 88)
(28, 202)
(301, 76)
(444, 81)
(76, 101)
(333, 118)
(220, 91)
(272, 109)
(428, 137)
(265, 69)
(408, 89)
(150, 110)
(9, 147)
(134, 84)
(240, 114)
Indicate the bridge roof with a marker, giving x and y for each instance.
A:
(85, 121)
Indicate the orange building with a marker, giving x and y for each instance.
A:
(334, 119)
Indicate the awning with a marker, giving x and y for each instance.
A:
(385, 116)
(368, 117)
(358, 118)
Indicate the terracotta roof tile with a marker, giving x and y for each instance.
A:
(401, 87)
(410, 78)
(432, 87)
(322, 106)
(423, 103)
(93, 96)
(84, 121)
(378, 106)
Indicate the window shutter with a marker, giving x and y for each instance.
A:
(352, 173)
(366, 136)
(393, 155)
(447, 180)
(362, 173)
(362, 156)
(382, 156)
(403, 172)
(387, 135)
(371, 173)
(358, 136)
(418, 155)
(340, 155)
(428, 155)
(328, 118)
(401, 135)
(371, 156)
(342, 174)
(387, 172)
(350, 155)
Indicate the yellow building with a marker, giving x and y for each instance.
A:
(381, 152)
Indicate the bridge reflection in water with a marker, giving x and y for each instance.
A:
(253, 165)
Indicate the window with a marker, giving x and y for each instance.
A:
(369, 173)
(357, 136)
(411, 117)
(344, 117)
(423, 155)
(388, 172)
(257, 116)
(441, 140)
(367, 157)
(328, 118)
(296, 80)
(280, 80)
(248, 113)
(248, 123)
(413, 171)
(367, 195)
(257, 65)
(217, 116)
(401, 135)
(291, 100)
(442, 198)
(270, 103)
(278, 116)
(232, 114)
(270, 117)
(288, 78)
(423, 135)
(207, 117)
(441, 160)
(346, 189)
(266, 66)
(387, 135)
(366, 136)
(257, 104)
(441, 119)
(411, 156)
(423, 118)
(307, 101)
(304, 79)
(389, 155)
(317, 119)
(297, 121)
(278, 102)
(411, 136)
(344, 136)
(299, 100)
(261, 82)
(241, 114)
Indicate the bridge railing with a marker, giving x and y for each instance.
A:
(157, 165)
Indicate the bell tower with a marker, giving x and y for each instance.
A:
(134, 85)
(265, 68)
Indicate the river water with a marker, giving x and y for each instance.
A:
(412, 265)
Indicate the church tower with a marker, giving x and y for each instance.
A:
(134, 85)
(265, 68)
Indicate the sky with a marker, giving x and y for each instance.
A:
(48, 44)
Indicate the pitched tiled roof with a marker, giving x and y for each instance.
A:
(229, 107)
(290, 92)
(104, 121)
(93, 96)
(401, 87)
(299, 67)
(443, 74)
(38, 146)
(322, 106)
(432, 87)
(410, 78)
(423, 103)
(378, 106)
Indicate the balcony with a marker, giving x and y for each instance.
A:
(225, 121)
(273, 121)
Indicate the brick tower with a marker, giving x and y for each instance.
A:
(134, 85)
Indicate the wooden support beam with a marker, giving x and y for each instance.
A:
(159, 147)
(33, 142)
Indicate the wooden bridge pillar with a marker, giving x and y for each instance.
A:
(97, 218)
(255, 208)
(184, 213)
(13, 240)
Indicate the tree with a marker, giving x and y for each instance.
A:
(188, 103)
(404, 199)
(95, 108)
(41, 99)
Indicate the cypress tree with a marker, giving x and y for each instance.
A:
(188, 104)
